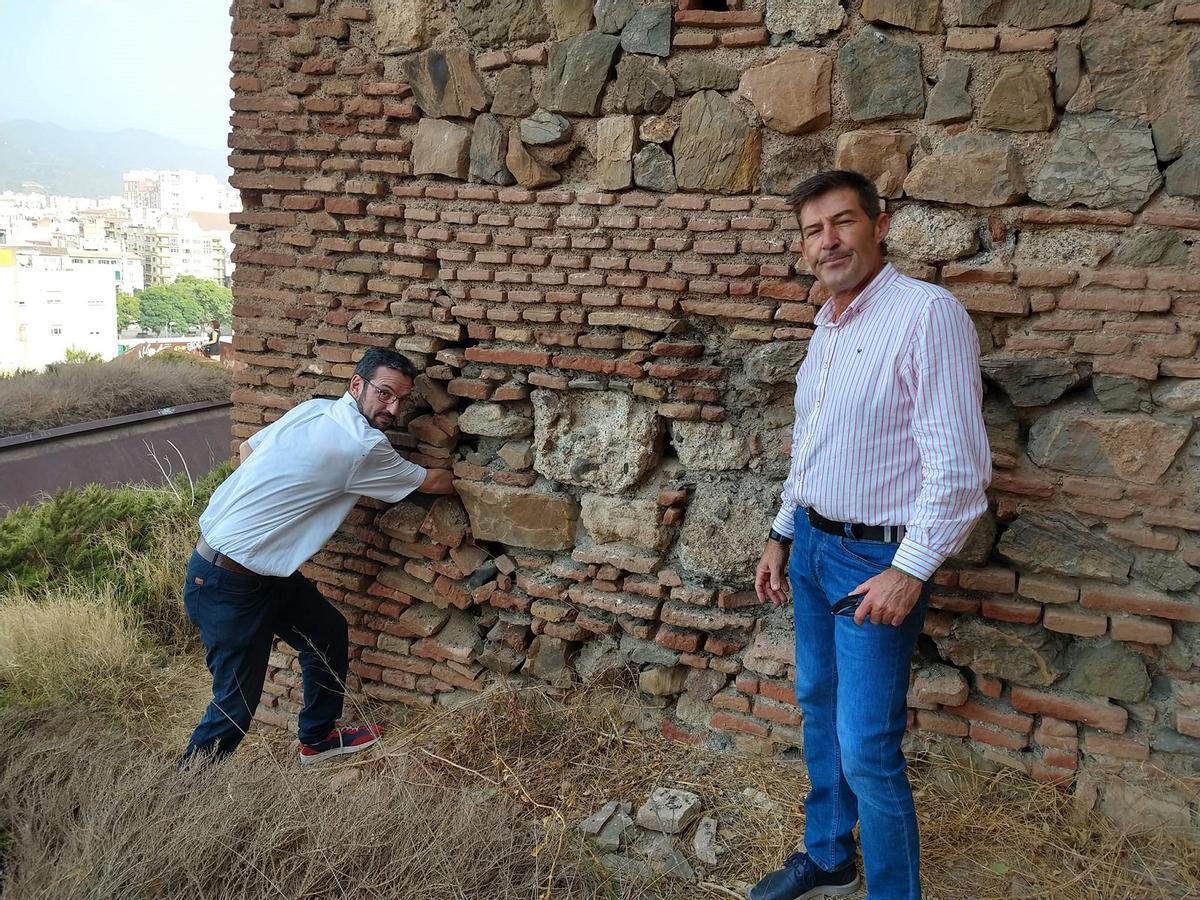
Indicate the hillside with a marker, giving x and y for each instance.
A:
(90, 163)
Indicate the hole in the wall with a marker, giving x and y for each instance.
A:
(711, 5)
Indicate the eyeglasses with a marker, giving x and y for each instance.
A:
(385, 396)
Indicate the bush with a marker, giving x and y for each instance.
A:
(86, 391)
(130, 543)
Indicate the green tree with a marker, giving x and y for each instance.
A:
(128, 310)
(75, 355)
(188, 302)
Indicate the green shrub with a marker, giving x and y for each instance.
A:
(133, 540)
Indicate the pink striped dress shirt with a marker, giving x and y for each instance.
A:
(889, 422)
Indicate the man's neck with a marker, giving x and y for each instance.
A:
(841, 301)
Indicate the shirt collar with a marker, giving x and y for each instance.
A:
(874, 288)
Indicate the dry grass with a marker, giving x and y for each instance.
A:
(481, 802)
(82, 392)
(985, 834)
(92, 813)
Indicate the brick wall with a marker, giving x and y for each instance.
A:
(609, 306)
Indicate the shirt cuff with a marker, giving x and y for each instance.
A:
(916, 560)
(785, 522)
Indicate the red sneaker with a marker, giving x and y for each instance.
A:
(347, 739)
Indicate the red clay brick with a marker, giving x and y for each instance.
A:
(1090, 712)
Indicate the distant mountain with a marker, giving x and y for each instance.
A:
(90, 163)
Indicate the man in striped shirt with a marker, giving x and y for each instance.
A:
(889, 465)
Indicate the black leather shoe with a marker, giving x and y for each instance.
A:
(801, 878)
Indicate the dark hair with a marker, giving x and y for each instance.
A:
(835, 179)
(378, 358)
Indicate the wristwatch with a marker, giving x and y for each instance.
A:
(778, 538)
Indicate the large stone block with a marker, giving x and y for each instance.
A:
(642, 85)
(722, 534)
(489, 146)
(493, 23)
(775, 363)
(716, 149)
(1029, 14)
(881, 77)
(603, 440)
(522, 517)
(1135, 67)
(444, 83)
(880, 155)
(613, 15)
(529, 171)
(399, 25)
(514, 92)
(648, 31)
(791, 93)
(973, 169)
(702, 446)
(932, 234)
(577, 71)
(697, 73)
(493, 420)
(442, 148)
(948, 100)
(624, 520)
(1108, 669)
(1026, 654)
(1031, 380)
(545, 128)
(1063, 247)
(615, 136)
(915, 15)
(1020, 100)
(1101, 162)
(654, 169)
(570, 17)
(805, 20)
(1136, 448)
(1059, 543)
(1183, 175)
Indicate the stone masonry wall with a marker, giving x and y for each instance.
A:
(572, 219)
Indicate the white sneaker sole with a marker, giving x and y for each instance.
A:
(831, 890)
(314, 758)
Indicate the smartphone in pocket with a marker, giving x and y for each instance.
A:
(847, 605)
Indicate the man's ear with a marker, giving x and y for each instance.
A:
(356, 385)
(883, 224)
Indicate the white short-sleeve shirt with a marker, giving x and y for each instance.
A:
(307, 471)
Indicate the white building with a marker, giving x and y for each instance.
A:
(53, 299)
(177, 192)
(197, 245)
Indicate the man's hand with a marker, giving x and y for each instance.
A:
(887, 598)
(437, 481)
(770, 578)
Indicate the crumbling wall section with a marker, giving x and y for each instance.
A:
(571, 216)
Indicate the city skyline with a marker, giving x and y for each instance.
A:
(117, 64)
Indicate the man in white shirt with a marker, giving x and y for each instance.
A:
(298, 479)
(890, 461)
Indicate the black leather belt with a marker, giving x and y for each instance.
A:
(883, 534)
(220, 560)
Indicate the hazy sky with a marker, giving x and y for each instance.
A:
(161, 65)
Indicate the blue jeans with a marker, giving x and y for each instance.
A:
(238, 617)
(851, 684)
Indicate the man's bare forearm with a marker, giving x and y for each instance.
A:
(437, 481)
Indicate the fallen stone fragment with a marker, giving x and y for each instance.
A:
(669, 810)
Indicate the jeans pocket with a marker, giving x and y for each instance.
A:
(238, 586)
(869, 553)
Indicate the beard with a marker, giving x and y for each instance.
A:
(382, 420)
